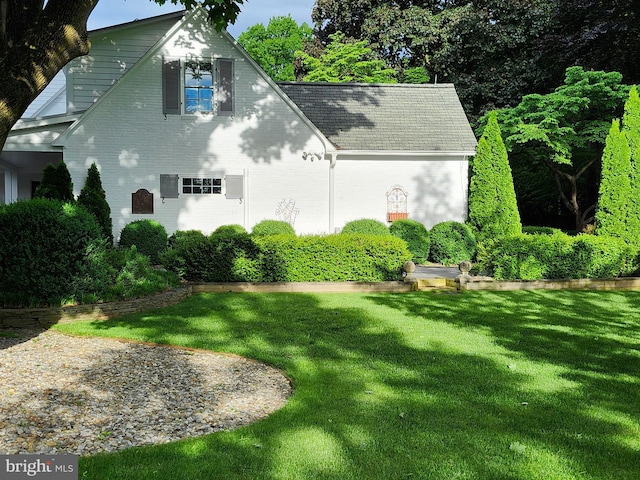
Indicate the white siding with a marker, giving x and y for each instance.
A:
(113, 53)
(437, 189)
(132, 143)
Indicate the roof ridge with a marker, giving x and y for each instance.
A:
(360, 84)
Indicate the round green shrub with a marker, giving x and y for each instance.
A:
(367, 226)
(189, 255)
(272, 227)
(452, 242)
(416, 236)
(149, 237)
(230, 229)
(50, 252)
(235, 257)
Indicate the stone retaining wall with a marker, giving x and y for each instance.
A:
(626, 283)
(45, 317)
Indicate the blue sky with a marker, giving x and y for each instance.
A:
(113, 12)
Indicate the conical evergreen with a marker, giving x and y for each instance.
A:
(493, 210)
(56, 183)
(615, 185)
(93, 198)
(631, 128)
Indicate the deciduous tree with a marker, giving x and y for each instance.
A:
(560, 137)
(346, 61)
(274, 47)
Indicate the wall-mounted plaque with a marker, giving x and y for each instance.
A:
(142, 202)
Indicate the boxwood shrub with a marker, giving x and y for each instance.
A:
(272, 227)
(416, 235)
(452, 242)
(188, 255)
(560, 256)
(366, 226)
(149, 237)
(50, 252)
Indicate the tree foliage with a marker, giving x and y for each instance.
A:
(494, 51)
(493, 210)
(558, 138)
(274, 47)
(346, 61)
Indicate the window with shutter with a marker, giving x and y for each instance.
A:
(188, 86)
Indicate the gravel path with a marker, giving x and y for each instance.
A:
(63, 394)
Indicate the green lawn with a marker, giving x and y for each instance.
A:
(480, 385)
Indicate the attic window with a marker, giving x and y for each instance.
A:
(198, 86)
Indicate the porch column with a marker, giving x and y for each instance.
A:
(10, 186)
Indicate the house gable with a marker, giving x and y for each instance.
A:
(230, 168)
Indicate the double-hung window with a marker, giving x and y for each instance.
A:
(198, 86)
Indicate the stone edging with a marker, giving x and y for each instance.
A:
(45, 317)
(624, 283)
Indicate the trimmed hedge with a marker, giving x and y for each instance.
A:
(149, 237)
(416, 236)
(560, 256)
(286, 258)
(49, 251)
(366, 226)
(452, 243)
(333, 258)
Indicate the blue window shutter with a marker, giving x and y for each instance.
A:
(225, 87)
(171, 87)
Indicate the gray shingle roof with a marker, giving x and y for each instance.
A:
(417, 118)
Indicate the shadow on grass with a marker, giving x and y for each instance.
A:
(499, 386)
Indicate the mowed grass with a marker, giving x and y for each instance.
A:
(508, 385)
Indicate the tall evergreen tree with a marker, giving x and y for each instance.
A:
(56, 183)
(493, 210)
(615, 184)
(93, 198)
(631, 128)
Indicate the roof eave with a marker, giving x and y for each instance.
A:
(402, 153)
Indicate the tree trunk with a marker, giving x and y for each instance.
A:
(30, 57)
(570, 199)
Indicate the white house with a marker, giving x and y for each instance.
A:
(186, 129)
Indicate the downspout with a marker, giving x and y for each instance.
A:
(332, 165)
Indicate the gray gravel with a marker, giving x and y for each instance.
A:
(63, 394)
